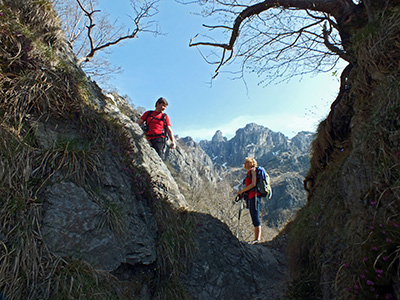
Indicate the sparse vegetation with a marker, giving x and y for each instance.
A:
(347, 236)
(37, 89)
(175, 248)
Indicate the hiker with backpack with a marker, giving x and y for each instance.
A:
(254, 196)
(157, 127)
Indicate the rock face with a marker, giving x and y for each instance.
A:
(74, 222)
(224, 268)
(110, 226)
(191, 162)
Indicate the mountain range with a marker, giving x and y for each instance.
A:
(220, 163)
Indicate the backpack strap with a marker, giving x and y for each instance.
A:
(148, 115)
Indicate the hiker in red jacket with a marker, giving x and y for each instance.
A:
(250, 164)
(158, 127)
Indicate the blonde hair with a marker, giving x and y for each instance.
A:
(252, 161)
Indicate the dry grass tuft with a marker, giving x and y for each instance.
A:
(174, 249)
(36, 85)
(76, 160)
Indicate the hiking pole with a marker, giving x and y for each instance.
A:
(237, 199)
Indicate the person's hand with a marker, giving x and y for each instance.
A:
(238, 193)
(173, 146)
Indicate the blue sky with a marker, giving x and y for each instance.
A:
(165, 66)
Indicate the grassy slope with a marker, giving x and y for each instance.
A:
(39, 83)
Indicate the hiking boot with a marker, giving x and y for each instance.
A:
(254, 242)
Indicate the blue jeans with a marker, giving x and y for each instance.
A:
(255, 204)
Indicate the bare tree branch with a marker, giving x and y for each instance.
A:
(90, 32)
(320, 6)
(145, 11)
(281, 38)
(90, 28)
(333, 48)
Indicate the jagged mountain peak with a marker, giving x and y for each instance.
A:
(256, 141)
(253, 126)
(218, 137)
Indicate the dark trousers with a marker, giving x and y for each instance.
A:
(255, 210)
(158, 144)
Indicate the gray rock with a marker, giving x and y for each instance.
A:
(224, 268)
(75, 224)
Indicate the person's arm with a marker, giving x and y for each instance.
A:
(141, 119)
(253, 183)
(171, 136)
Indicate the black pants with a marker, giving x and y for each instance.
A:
(158, 144)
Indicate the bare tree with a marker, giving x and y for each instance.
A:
(283, 38)
(90, 31)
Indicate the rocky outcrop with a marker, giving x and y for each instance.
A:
(287, 198)
(191, 163)
(224, 268)
(76, 225)
(163, 183)
(110, 225)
